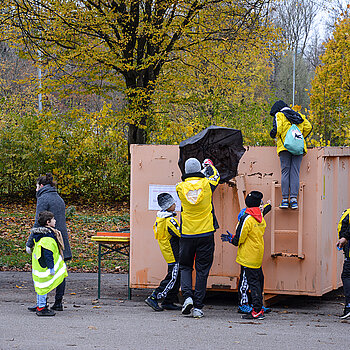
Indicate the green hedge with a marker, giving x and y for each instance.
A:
(86, 152)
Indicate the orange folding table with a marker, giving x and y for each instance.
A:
(112, 241)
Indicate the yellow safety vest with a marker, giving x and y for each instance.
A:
(43, 281)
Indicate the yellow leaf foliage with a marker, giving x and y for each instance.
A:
(330, 94)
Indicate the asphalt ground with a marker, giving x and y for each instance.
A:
(114, 322)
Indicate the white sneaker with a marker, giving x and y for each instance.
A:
(187, 306)
(197, 313)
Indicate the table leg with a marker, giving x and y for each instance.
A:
(99, 273)
(129, 289)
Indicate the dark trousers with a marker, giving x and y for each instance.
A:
(243, 288)
(60, 291)
(198, 250)
(345, 277)
(290, 168)
(255, 280)
(169, 287)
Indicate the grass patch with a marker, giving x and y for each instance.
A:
(16, 220)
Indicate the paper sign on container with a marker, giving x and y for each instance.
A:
(155, 190)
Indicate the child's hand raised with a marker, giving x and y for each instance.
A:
(227, 238)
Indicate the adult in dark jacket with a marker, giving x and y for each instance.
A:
(48, 199)
(283, 119)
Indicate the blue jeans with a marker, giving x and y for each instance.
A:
(41, 300)
(290, 167)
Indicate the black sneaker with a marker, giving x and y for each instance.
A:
(45, 312)
(171, 306)
(254, 315)
(153, 303)
(32, 308)
(57, 307)
(346, 313)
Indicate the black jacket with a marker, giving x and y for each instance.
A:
(293, 116)
(46, 259)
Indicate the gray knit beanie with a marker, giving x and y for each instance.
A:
(165, 200)
(192, 165)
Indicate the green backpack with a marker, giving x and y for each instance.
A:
(294, 141)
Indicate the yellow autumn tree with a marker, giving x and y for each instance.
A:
(330, 95)
(225, 84)
(107, 46)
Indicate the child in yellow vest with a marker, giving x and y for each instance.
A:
(48, 267)
(166, 231)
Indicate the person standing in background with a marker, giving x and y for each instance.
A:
(49, 200)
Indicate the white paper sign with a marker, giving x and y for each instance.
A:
(155, 190)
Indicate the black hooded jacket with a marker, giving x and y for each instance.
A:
(292, 116)
(46, 259)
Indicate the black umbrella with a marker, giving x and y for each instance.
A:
(224, 146)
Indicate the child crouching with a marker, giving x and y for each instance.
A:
(48, 267)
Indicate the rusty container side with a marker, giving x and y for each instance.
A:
(300, 255)
(149, 165)
(334, 198)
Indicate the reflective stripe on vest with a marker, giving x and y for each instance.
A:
(49, 282)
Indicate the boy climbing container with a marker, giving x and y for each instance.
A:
(294, 141)
(300, 255)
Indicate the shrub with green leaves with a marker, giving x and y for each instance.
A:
(86, 152)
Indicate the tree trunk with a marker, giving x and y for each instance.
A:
(140, 89)
(136, 135)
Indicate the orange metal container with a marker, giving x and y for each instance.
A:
(300, 254)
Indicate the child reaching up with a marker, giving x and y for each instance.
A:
(249, 239)
(244, 305)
